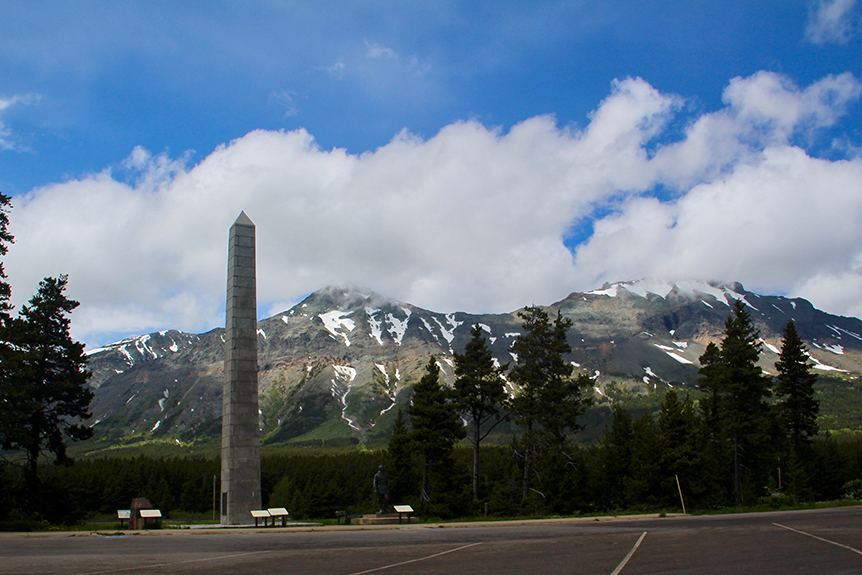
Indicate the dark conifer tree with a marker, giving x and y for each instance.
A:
(399, 460)
(435, 422)
(794, 387)
(716, 455)
(645, 486)
(5, 239)
(479, 393)
(797, 411)
(617, 460)
(711, 383)
(50, 395)
(9, 354)
(681, 451)
(737, 403)
(549, 401)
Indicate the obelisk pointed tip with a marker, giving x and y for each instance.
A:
(243, 220)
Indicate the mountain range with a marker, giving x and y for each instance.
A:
(340, 363)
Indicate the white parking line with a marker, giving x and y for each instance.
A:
(629, 556)
(818, 538)
(376, 569)
(160, 565)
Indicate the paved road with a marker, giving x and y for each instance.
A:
(822, 542)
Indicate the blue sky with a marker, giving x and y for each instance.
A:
(472, 156)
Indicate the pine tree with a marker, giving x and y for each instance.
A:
(681, 455)
(617, 460)
(399, 459)
(49, 395)
(737, 404)
(644, 485)
(794, 387)
(550, 400)
(797, 409)
(435, 422)
(9, 354)
(5, 238)
(479, 393)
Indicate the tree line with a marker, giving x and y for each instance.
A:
(623, 472)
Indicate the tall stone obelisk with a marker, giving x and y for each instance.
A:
(240, 435)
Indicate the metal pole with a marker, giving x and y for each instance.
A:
(215, 498)
(680, 495)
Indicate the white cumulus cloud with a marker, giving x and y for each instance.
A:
(473, 218)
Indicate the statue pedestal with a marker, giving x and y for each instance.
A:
(383, 519)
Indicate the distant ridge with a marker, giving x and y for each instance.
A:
(341, 362)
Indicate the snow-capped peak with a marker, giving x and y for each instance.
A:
(663, 288)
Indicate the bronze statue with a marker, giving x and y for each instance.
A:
(381, 490)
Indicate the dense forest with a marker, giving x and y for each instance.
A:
(611, 476)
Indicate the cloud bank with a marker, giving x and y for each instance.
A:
(473, 218)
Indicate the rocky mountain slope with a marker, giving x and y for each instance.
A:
(341, 362)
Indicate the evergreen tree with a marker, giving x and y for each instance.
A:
(617, 461)
(797, 410)
(737, 403)
(645, 486)
(399, 460)
(479, 393)
(5, 238)
(717, 458)
(831, 469)
(435, 422)
(794, 387)
(9, 354)
(550, 400)
(48, 395)
(681, 444)
(711, 383)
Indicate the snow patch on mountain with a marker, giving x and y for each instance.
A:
(129, 359)
(336, 322)
(397, 326)
(142, 347)
(769, 346)
(695, 289)
(649, 373)
(449, 334)
(165, 395)
(844, 331)
(823, 367)
(375, 324)
(341, 387)
(834, 348)
(430, 329)
(382, 369)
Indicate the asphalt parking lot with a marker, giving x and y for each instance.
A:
(817, 541)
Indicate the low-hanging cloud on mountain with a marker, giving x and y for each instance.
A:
(474, 218)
